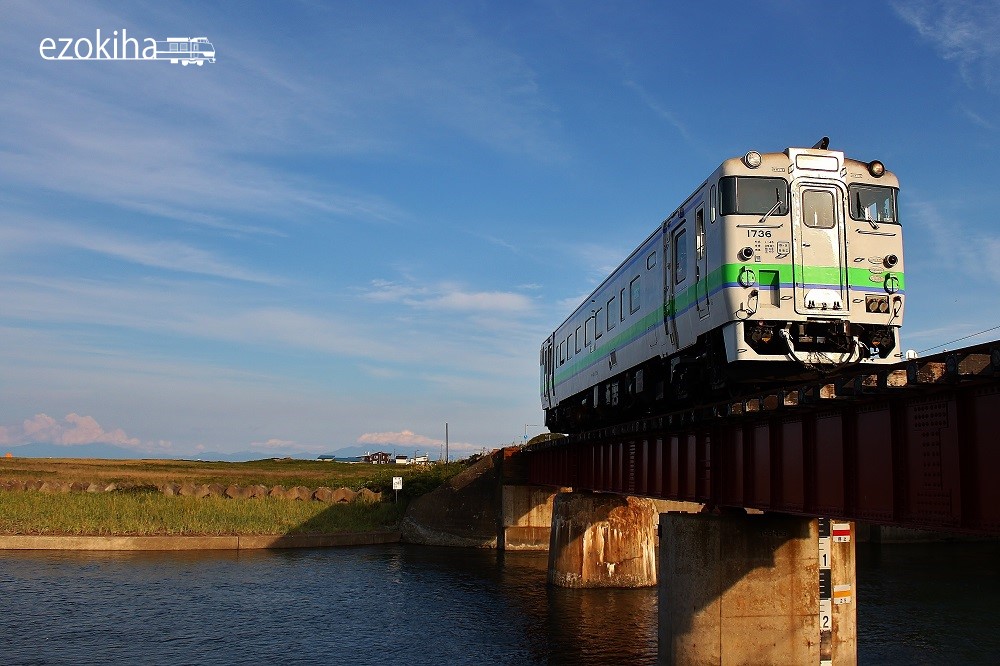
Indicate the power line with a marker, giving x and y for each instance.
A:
(945, 344)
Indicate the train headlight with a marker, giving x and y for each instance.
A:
(876, 168)
(876, 304)
(752, 159)
(746, 254)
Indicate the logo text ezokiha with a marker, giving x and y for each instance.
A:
(183, 50)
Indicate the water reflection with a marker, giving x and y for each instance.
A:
(928, 603)
(416, 605)
(380, 604)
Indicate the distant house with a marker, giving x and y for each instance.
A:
(326, 458)
(377, 458)
(402, 460)
(421, 460)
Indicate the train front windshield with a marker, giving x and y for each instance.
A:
(753, 195)
(872, 203)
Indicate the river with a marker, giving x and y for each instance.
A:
(397, 604)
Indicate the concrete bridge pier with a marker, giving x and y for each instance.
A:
(760, 589)
(600, 540)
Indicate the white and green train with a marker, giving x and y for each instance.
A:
(779, 265)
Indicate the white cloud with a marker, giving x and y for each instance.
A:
(73, 429)
(408, 438)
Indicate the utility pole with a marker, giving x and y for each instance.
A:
(446, 442)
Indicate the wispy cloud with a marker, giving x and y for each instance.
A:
(966, 32)
(975, 254)
(24, 233)
(668, 116)
(447, 296)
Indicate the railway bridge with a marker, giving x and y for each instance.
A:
(764, 571)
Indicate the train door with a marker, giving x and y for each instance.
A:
(701, 264)
(681, 287)
(547, 364)
(818, 268)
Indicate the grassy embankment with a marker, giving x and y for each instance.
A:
(138, 509)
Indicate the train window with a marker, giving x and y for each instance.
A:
(650, 261)
(562, 352)
(621, 304)
(712, 204)
(872, 203)
(700, 233)
(588, 330)
(752, 195)
(817, 209)
(611, 320)
(597, 323)
(680, 257)
(577, 339)
(633, 295)
(569, 346)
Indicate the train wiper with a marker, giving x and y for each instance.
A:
(868, 215)
(776, 206)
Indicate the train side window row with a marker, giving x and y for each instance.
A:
(592, 326)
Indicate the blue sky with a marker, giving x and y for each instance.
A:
(362, 220)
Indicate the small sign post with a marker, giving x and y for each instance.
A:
(397, 485)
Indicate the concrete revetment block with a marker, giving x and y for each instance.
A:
(323, 494)
(237, 492)
(343, 495)
(258, 491)
(300, 493)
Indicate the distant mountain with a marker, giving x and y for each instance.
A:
(244, 456)
(107, 451)
(394, 449)
(112, 452)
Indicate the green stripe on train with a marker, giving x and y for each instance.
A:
(859, 278)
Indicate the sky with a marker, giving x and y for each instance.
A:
(362, 220)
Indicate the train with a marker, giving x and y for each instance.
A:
(779, 266)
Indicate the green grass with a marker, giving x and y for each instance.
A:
(150, 513)
(269, 472)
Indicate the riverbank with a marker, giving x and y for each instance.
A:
(175, 543)
(171, 505)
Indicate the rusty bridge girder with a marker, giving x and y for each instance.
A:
(916, 445)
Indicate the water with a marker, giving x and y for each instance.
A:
(929, 603)
(414, 605)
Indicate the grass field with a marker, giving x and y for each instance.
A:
(285, 472)
(146, 512)
(151, 513)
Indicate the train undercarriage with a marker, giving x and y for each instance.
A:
(703, 373)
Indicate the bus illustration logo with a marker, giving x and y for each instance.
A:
(186, 50)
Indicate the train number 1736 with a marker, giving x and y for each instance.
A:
(758, 233)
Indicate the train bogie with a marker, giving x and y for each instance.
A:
(778, 265)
